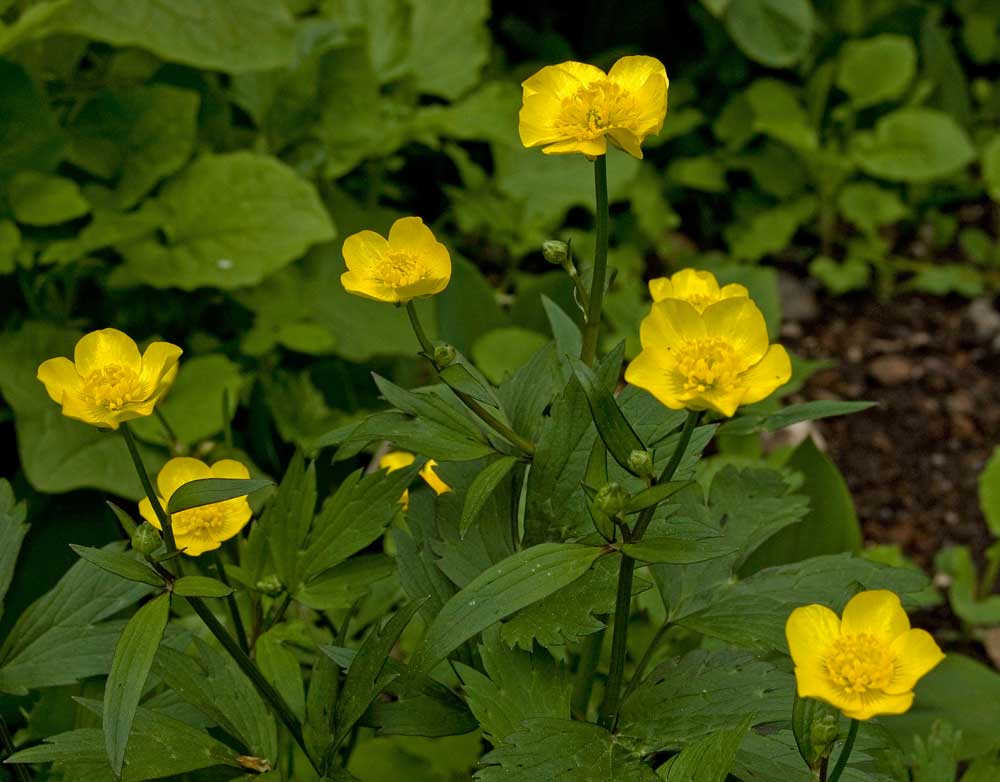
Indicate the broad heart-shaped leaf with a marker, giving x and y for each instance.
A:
(31, 135)
(775, 33)
(793, 414)
(513, 584)
(707, 760)
(876, 69)
(44, 199)
(61, 637)
(221, 35)
(231, 220)
(913, 144)
(690, 697)
(12, 532)
(129, 669)
(120, 564)
(989, 492)
(564, 750)
(369, 674)
(482, 487)
(207, 491)
(449, 44)
(517, 686)
(201, 586)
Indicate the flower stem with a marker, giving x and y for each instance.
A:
(522, 443)
(845, 752)
(263, 686)
(595, 301)
(7, 745)
(626, 575)
(234, 609)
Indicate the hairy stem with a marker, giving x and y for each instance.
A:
(595, 301)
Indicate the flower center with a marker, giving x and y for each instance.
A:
(595, 109)
(111, 387)
(860, 663)
(399, 269)
(205, 521)
(705, 363)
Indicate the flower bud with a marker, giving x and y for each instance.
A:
(815, 725)
(555, 251)
(444, 356)
(641, 463)
(146, 539)
(611, 498)
(270, 585)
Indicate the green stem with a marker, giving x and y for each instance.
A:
(845, 753)
(264, 687)
(626, 575)
(7, 744)
(279, 613)
(595, 301)
(167, 428)
(234, 609)
(647, 658)
(523, 444)
(583, 683)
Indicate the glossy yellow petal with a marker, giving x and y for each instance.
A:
(734, 291)
(229, 468)
(147, 512)
(178, 471)
(694, 285)
(159, 368)
(196, 544)
(538, 120)
(916, 654)
(809, 631)
(106, 347)
(724, 400)
(81, 409)
(627, 141)
(646, 79)
(647, 372)
(668, 323)
(432, 479)
(60, 378)
(876, 703)
(592, 147)
(364, 250)
(410, 234)
(767, 375)
(360, 285)
(396, 460)
(562, 80)
(740, 324)
(878, 612)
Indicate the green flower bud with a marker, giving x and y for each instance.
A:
(146, 538)
(270, 585)
(444, 356)
(611, 498)
(555, 251)
(823, 732)
(641, 463)
(815, 725)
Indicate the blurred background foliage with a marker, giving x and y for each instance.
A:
(189, 173)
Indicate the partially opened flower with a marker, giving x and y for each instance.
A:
(717, 359)
(109, 382)
(866, 663)
(697, 288)
(206, 527)
(397, 460)
(575, 107)
(408, 265)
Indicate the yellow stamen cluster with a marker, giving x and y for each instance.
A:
(594, 109)
(110, 387)
(398, 269)
(860, 663)
(706, 363)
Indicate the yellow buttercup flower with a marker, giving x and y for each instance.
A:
(397, 460)
(204, 528)
(109, 382)
(697, 288)
(717, 359)
(410, 264)
(864, 664)
(575, 107)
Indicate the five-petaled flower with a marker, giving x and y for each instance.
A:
(397, 460)
(109, 382)
(716, 359)
(204, 528)
(865, 663)
(575, 107)
(697, 288)
(410, 264)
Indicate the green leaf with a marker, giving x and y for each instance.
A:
(342, 586)
(43, 199)
(431, 407)
(707, 760)
(944, 278)
(368, 674)
(10, 241)
(120, 564)
(792, 414)
(513, 584)
(869, 206)
(221, 35)
(284, 525)
(935, 758)
(201, 586)
(231, 221)
(877, 69)
(764, 758)
(207, 491)
(12, 531)
(775, 33)
(281, 666)
(680, 551)
(129, 670)
(563, 749)
(913, 145)
(32, 138)
(688, 698)
(850, 275)
(956, 563)
(769, 231)
(654, 495)
(989, 492)
(499, 353)
(614, 428)
(449, 45)
(482, 487)
(567, 334)
(990, 163)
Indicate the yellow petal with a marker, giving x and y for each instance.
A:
(159, 368)
(147, 512)
(694, 284)
(236, 514)
(409, 234)
(360, 284)
(593, 147)
(420, 289)
(916, 654)
(741, 325)
(669, 322)
(396, 460)
(723, 400)
(432, 479)
(196, 544)
(875, 703)
(767, 375)
(627, 140)
(178, 471)
(363, 250)
(734, 291)
(80, 409)
(647, 371)
(661, 288)
(107, 346)
(562, 80)
(877, 611)
(60, 377)
(538, 120)
(437, 259)
(229, 468)
(646, 79)
(810, 630)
